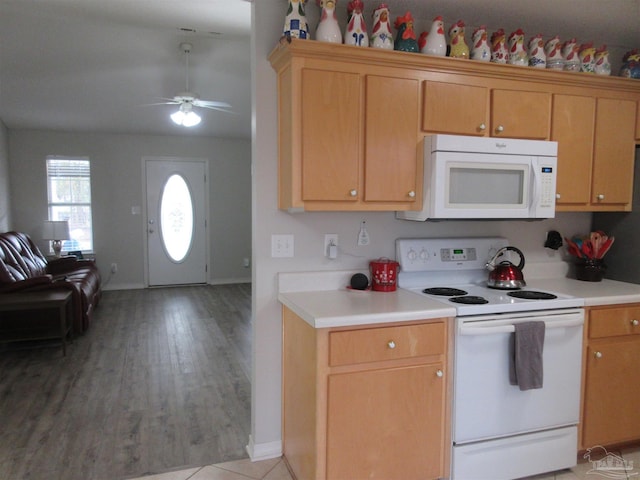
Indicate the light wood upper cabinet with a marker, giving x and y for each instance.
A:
(455, 109)
(614, 153)
(572, 126)
(520, 114)
(638, 121)
(611, 377)
(390, 155)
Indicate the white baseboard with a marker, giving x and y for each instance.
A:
(263, 451)
(228, 281)
(122, 286)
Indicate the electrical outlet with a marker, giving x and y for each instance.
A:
(114, 268)
(246, 263)
(330, 239)
(281, 246)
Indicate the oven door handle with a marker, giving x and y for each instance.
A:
(491, 330)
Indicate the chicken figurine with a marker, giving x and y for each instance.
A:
(434, 41)
(295, 21)
(537, 56)
(480, 49)
(553, 51)
(570, 55)
(499, 52)
(603, 66)
(457, 43)
(587, 56)
(328, 29)
(517, 54)
(356, 32)
(381, 36)
(406, 37)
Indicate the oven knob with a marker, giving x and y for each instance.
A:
(391, 344)
(598, 354)
(412, 254)
(439, 373)
(424, 255)
(634, 322)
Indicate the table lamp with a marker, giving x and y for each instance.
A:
(56, 231)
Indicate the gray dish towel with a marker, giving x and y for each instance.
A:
(525, 355)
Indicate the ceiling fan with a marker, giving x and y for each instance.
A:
(185, 115)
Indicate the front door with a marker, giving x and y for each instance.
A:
(176, 222)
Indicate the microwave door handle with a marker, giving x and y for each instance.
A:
(536, 179)
(489, 330)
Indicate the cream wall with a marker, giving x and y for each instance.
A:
(116, 171)
(309, 229)
(5, 192)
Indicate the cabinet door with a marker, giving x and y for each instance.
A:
(386, 423)
(391, 125)
(331, 135)
(638, 121)
(455, 109)
(520, 114)
(572, 126)
(614, 152)
(611, 394)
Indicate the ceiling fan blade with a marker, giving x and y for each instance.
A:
(222, 109)
(211, 104)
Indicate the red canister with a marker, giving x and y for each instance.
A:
(384, 275)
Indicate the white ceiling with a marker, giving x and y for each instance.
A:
(93, 65)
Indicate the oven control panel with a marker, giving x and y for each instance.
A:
(433, 254)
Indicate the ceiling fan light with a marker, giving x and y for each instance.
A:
(178, 117)
(186, 116)
(191, 119)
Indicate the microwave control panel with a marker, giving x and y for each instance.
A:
(548, 186)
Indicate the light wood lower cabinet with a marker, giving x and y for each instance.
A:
(611, 376)
(367, 402)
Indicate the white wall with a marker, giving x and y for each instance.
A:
(116, 183)
(309, 229)
(5, 192)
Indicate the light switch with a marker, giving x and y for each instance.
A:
(281, 246)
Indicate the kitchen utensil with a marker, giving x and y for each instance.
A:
(506, 275)
(605, 247)
(384, 275)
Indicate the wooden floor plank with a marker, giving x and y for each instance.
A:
(161, 380)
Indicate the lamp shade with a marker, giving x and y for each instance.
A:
(55, 230)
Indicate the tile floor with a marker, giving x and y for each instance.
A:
(275, 469)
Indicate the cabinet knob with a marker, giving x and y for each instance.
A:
(635, 322)
(411, 193)
(439, 373)
(558, 196)
(598, 354)
(600, 196)
(499, 129)
(482, 127)
(391, 344)
(353, 192)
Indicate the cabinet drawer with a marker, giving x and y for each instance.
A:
(612, 322)
(386, 343)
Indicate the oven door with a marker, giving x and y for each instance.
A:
(486, 405)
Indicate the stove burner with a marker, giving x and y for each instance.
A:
(444, 291)
(532, 295)
(469, 300)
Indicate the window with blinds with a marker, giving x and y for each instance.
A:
(69, 198)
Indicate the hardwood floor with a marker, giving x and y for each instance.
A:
(159, 381)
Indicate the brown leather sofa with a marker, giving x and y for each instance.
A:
(23, 268)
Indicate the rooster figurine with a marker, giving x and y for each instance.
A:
(356, 33)
(537, 56)
(480, 50)
(295, 21)
(459, 47)
(603, 66)
(499, 52)
(381, 36)
(587, 54)
(434, 42)
(406, 37)
(570, 55)
(328, 29)
(517, 54)
(554, 54)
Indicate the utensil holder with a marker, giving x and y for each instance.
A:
(590, 269)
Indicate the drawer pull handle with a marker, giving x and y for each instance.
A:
(598, 354)
(391, 344)
(439, 373)
(635, 322)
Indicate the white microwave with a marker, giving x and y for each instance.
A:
(479, 177)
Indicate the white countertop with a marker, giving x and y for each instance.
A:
(322, 299)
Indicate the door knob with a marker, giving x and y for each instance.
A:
(499, 129)
(634, 322)
(598, 354)
(353, 193)
(391, 344)
(482, 127)
(439, 373)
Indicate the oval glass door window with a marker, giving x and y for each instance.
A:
(176, 218)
